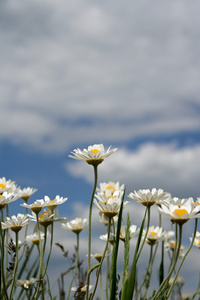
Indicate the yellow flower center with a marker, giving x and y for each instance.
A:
(153, 233)
(3, 186)
(110, 187)
(180, 212)
(76, 224)
(94, 150)
(42, 214)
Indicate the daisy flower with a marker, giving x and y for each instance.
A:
(25, 193)
(26, 284)
(196, 240)
(98, 256)
(36, 206)
(172, 245)
(45, 218)
(110, 207)
(81, 290)
(52, 204)
(105, 220)
(154, 235)
(6, 198)
(104, 237)
(94, 155)
(110, 188)
(132, 230)
(7, 185)
(76, 225)
(147, 197)
(180, 210)
(15, 223)
(34, 238)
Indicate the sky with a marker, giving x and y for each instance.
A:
(77, 73)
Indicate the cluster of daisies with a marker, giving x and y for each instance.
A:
(108, 200)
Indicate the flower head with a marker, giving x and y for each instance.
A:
(76, 225)
(112, 238)
(132, 231)
(52, 204)
(94, 155)
(34, 238)
(15, 223)
(6, 198)
(7, 185)
(196, 240)
(109, 207)
(147, 197)
(26, 284)
(110, 188)
(36, 206)
(154, 235)
(180, 210)
(25, 193)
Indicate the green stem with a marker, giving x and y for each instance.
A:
(76, 267)
(15, 268)
(165, 282)
(102, 259)
(50, 249)
(148, 223)
(2, 259)
(90, 228)
(148, 271)
(183, 259)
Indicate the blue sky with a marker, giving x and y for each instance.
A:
(75, 73)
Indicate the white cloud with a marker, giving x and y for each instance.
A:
(166, 166)
(93, 69)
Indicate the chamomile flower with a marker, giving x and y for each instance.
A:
(98, 256)
(52, 204)
(110, 188)
(93, 155)
(110, 207)
(173, 245)
(76, 225)
(196, 240)
(105, 220)
(7, 185)
(15, 223)
(6, 198)
(26, 284)
(132, 230)
(154, 235)
(81, 290)
(34, 238)
(36, 206)
(112, 238)
(25, 193)
(180, 210)
(147, 197)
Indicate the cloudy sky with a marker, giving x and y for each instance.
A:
(76, 73)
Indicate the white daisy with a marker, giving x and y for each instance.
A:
(110, 188)
(7, 185)
(180, 210)
(15, 223)
(132, 230)
(6, 198)
(25, 193)
(196, 240)
(94, 155)
(26, 284)
(76, 225)
(52, 204)
(34, 238)
(36, 206)
(110, 207)
(154, 234)
(147, 197)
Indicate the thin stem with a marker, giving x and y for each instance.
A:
(148, 270)
(183, 259)
(51, 244)
(102, 259)
(15, 268)
(148, 223)
(76, 267)
(90, 228)
(2, 259)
